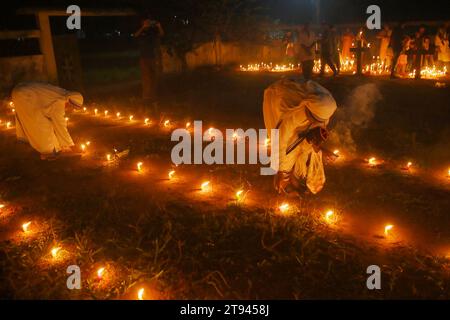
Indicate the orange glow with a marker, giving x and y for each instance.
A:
(95, 111)
(239, 195)
(11, 104)
(387, 229)
(284, 207)
(100, 272)
(106, 113)
(267, 142)
(84, 109)
(8, 125)
(206, 186)
(118, 114)
(55, 252)
(26, 226)
(88, 143)
(140, 294)
(139, 166)
(83, 147)
(171, 174)
(131, 118)
(108, 157)
(166, 123)
(330, 216)
(2, 206)
(336, 152)
(147, 121)
(188, 124)
(448, 172)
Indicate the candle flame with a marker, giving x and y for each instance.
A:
(11, 104)
(205, 186)
(171, 174)
(131, 118)
(188, 124)
(2, 206)
(8, 125)
(409, 165)
(387, 229)
(100, 272)
(83, 147)
(372, 161)
(26, 226)
(84, 109)
(239, 195)
(336, 152)
(267, 142)
(329, 216)
(140, 294)
(95, 111)
(118, 114)
(139, 166)
(166, 123)
(88, 143)
(106, 113)
(147, 121)
(284, 207)
(55, 252)
(108, 157)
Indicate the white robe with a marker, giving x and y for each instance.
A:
(40, 115)
(296, 107)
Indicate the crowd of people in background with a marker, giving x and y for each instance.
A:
(399, 49)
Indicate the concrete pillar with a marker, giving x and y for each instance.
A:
(46, 45)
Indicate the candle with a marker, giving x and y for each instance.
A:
(118, 114)
(387, 229)
(83, 147)
(140, 294)
(8, 125)
(55, 252)
(139, 166)
(100, 273)
(26, 226)
(2, 206)
(147, 121)
(131, 118)
(106, 113)
(188, 124)
(95, 111)
(372, 161)
(171, 174)
(239, 195)
(166, 123)
(284, 207)
(205, 186)
(108, 157)
(84, 109)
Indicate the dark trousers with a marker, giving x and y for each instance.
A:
(394, 61)
(307, 69)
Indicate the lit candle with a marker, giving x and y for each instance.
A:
(206, 186)
(106, 113)
(83, 147)
(118, 114)
(140, 294)
(336, 152)
(188, 124)
(139, 166)
(387, 229)
(131, 118)
(84, 109)
(8, 125)
(329, 216)
(283, 207)
(239, 195)
(372, 161)
(26, 226)
(11, 104)
(108, 157)
(100, 273)
(88, 143)
(2, 206)
(147, 121)
(55, 252)
(166, 123)
(95, 111)
(171, 174)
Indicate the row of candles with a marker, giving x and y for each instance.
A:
(376, 68)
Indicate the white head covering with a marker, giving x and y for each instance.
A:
(75, 98)
(319, 101)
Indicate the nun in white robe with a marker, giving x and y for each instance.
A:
(40, 116)
(294, 107)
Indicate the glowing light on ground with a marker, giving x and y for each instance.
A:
(205, 186)
(330, 217)
(95, 111)
(106, 113)
(26, 226)
(8, 125)
(55, 252)
(131, 118)
(240, 195)
(139, 166)
(140, 294)
(108, 157)
(118, 115)
(171, 174)
(100, 273)
(166, 123)
(147, 121)
(188, 124)
(387, 229)
(284, 207)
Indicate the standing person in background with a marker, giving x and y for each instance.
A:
(288, 41)
(384, 36)
(396, 44)
(428, 52)
(441, 42)
(419, 50)
(335, 41)
(327, 48)
(305, 50)
(149, 40)
(347, 40)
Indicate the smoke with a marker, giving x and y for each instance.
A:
(356, 113)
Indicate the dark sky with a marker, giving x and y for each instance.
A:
(287, 11)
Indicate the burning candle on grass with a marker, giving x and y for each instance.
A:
(205, 186)
(139, 167)
(140, 294)
(55, 252)
(147, 121)
(106, 113)
(118, 115)
(166, 123)
(26, 227)
(100, 273)
(171, 174)
(131, 118)
(330, 217)
(388, 229)
(284, 207)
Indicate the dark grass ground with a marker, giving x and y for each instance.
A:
(179, 243)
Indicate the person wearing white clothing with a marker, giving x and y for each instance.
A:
(301, 110)
(40, 116)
